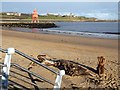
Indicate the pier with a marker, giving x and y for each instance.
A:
(28, 24)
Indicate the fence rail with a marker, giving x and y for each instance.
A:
(7, 64)
(34, 74)
(35, 60)
(3, 50)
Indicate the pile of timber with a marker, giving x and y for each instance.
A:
(28, 25)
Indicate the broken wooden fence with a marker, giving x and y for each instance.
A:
(7, 64)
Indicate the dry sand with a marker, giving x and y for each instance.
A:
(78, 49)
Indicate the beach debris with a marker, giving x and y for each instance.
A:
(99, 77)
(71, 68)
(109, 82)
(33, 80)
(31, 64)
(104, 77)
(100, 67)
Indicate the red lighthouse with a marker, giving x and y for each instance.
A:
(35, 16)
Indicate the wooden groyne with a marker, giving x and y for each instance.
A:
(28, 25)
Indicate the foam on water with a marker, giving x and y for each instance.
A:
(84, 34)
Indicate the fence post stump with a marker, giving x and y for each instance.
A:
(59, 80)
(5, 72)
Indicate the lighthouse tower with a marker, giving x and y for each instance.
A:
(35, 16)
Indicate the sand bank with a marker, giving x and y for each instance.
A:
(79, 49)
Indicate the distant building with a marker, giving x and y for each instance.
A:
(13, 14)
(71, 15)
(53, 14)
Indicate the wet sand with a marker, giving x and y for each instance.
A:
(79, 49)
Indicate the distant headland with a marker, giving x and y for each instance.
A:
(22, 17)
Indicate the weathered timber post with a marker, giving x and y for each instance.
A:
(59, 80)
(100, 67)
(6, 69)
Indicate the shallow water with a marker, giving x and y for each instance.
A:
(91, 29)
(85, 29)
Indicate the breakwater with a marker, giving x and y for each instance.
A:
(28, 25)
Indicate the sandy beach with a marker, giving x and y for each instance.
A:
(79, 49)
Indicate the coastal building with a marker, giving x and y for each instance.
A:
(71, 15)
(13, 14)
(35, 16)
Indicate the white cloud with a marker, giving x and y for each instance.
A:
(61, 13)
(101, 15)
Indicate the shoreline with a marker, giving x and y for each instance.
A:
(53, 31)
(110, 35)
(64, 38)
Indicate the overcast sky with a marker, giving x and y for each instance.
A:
(100, 10)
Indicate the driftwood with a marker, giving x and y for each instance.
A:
(98, 77)
(71, 68)
(100, 67)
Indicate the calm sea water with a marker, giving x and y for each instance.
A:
(89, 29)
(85, 29)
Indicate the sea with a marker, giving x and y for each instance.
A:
(84, 29)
